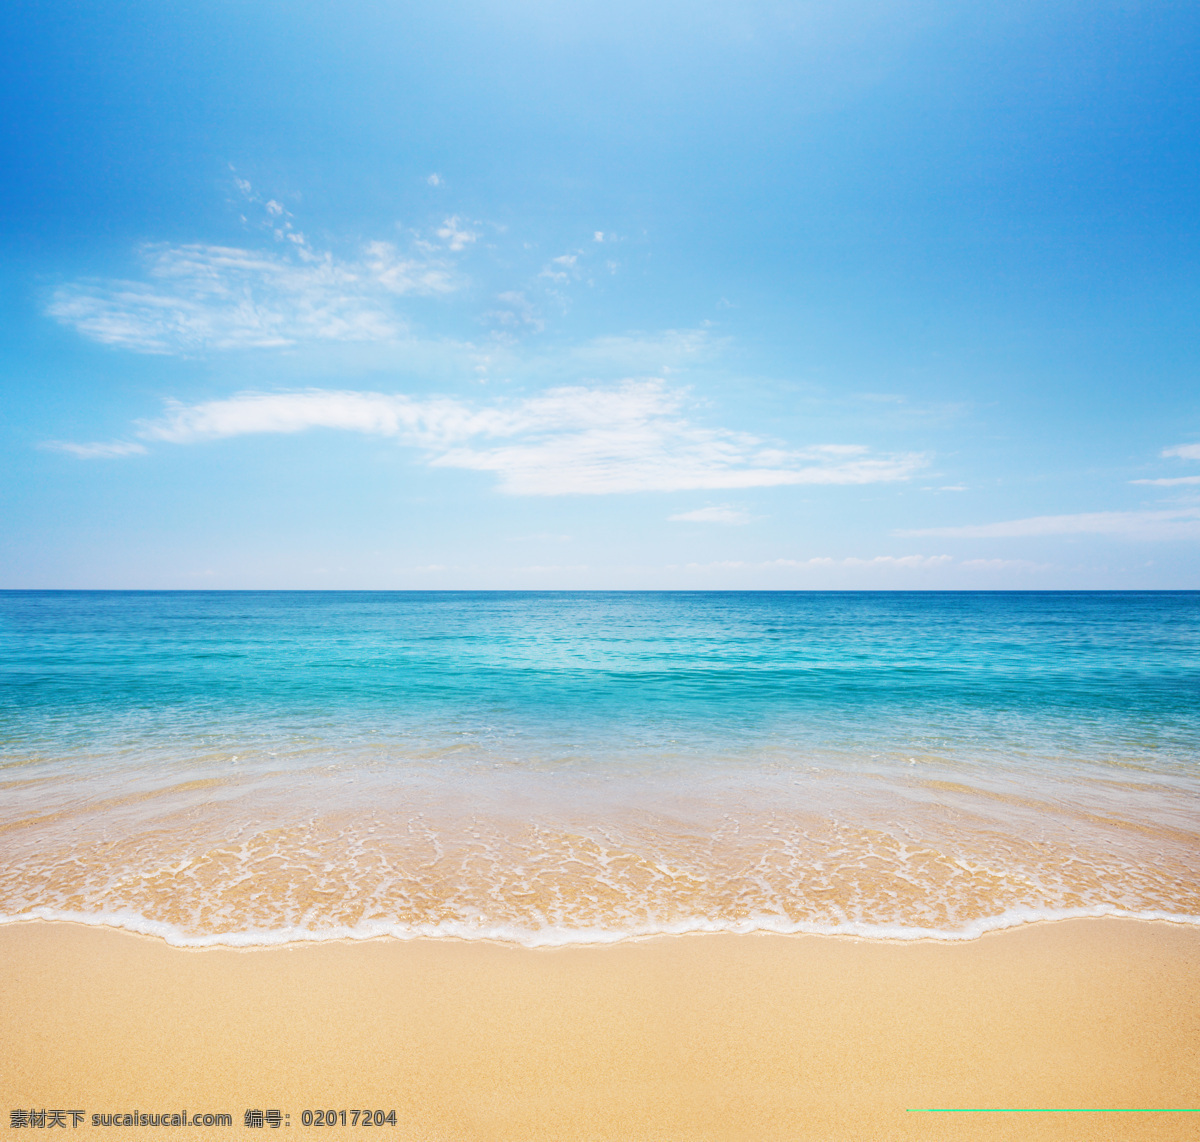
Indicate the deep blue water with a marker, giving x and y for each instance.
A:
(1071, 672)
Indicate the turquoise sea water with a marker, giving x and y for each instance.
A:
(260, 767)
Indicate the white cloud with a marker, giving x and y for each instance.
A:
(383, 264)
(884, 564)
(840, 449)
(632, 438)
(720, 513)
(1004, 565)
(824, 562)
(1184, 452)
(641, 353)
(112, 450)
(435, 180)
(1169, 482)
(454, 235)
(589, 441)
(378, 414)
(517, 311)
(899, 561)
(219, 297)
(561, 269)
(1170, 523)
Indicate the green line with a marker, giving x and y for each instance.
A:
(1054, 1110)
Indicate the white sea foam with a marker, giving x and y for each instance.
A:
(934, 860)
(556, 937)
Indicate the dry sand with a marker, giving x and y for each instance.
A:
(693, 1037)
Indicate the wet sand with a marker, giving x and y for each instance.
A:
(709, 1037)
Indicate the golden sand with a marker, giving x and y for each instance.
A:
(676, 1038)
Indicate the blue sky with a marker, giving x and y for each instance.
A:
(578, 295)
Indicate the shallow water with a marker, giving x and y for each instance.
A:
(262, 767)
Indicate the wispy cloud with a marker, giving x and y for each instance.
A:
(197, 297)
(827, 562)
(112, 450)
(878, 563)
(1004, 565)
(1167, 523)
(634, 437)
(719, 513)
(455, 235)
(630, 437)
(431, 421)
(1169, 481)
(561, 269)
(601, 359)
(516, 310)
(1183, 452)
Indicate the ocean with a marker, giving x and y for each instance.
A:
(265, 767)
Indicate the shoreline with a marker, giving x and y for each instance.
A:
(580, 938)
(697, 1036)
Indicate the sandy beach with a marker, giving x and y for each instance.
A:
(693, 1037)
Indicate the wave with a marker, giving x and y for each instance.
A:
(555, 937)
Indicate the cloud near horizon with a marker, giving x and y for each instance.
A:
(630, 437)
(874, 563)
(1150, 524)
(911, 562)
